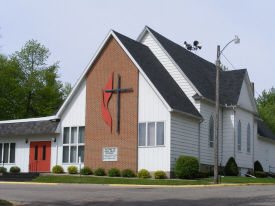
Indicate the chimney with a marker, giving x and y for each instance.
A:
(252, 87)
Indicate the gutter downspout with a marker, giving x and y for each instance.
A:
(234, 133)
(56, 145)
(222, 139)
(253, 142)
(199, 139)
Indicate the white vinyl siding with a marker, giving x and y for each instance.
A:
(248, 138)
(211, 132)
(152, 110)
(239, 136)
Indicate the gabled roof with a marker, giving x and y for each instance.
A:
(202, 73)
(264, 131)
(24, 128)
(159, 76)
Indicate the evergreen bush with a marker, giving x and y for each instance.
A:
(3, 169)
(86, 171)
(113, 172)
(250, 173)
(57, 169)
(15, 169)
(258, 166)
(203, 174)
(143, 173)
(72, 170)
(231, 168)
(186, 167)
(99, 172)
(211, 173)
(127, 173)
(160, 174)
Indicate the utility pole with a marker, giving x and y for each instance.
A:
(216, 180)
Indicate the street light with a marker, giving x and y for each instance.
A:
(237, 41)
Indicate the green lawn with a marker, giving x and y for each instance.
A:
(5, 203)
(109, 180)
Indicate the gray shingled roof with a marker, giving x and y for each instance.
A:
(159, 76)
(264, 131)
(23, 128)
(202, 73)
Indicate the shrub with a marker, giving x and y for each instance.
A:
(159, 174)
(72, 170)
(86, 171)
(143, 173)
(114, 172)
(57, 169)
(231, 168)
(260, 174)
(211, 173)
(127, 173)
(99, 172)
(15, 169)
(186, 167)
(258, 166)
(3, 169)
(203, 174)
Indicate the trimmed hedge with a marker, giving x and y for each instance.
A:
(15, 169)
(260, 174)
(231, 168)
(203, 174)
(57, 169)
(211, 173)
(160, 174)
(113, 172)
(86, 171)
(72, 170)
(127, 173)
(258, 166)
(3, 169)
(143, 173)
(99, 172)
(186, 167)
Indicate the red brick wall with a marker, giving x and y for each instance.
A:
(97, 132)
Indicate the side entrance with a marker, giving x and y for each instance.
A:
(40, 156)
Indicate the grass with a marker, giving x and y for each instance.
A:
(108, 180)
(5, 203)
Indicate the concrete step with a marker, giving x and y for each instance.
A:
(20, 176)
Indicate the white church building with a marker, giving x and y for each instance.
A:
(140, 104)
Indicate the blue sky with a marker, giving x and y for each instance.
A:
(74, 30)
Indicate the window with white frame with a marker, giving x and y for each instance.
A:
(239, 136)
(266, 152)
(151, 134)
(73, 144)
(211, 132)
(7, 152)
(248, 138)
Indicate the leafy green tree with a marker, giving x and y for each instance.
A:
(28, 86)
(266, 108)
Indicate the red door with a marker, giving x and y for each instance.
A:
(40, 156)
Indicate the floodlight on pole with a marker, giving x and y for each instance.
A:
(237, 41)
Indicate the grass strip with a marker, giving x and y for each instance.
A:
(108, 180)
(247, 180)
(5, 203)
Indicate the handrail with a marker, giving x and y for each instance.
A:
(247, 174)
(33, 167)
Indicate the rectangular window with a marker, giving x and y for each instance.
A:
(7, 152)
(35, 152)
(151, 134)
(44, 152)
(73, 144)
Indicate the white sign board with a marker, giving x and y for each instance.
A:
(109, 154)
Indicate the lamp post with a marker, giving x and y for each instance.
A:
(236, 40)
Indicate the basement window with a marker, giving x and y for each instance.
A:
(73, 144)
(151, 134)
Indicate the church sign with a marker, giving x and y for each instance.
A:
(109, 154)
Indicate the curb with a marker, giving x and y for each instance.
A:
(218, 185)
(28, 183)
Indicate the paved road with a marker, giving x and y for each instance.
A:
(84, 194)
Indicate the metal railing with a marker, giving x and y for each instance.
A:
(33, 167)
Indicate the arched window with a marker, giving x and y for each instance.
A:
(248, 138)
(239, 136)
(211, 132)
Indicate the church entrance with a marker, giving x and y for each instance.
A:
(40, 156)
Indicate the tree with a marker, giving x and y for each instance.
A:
(28, 86)
(266, 108)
